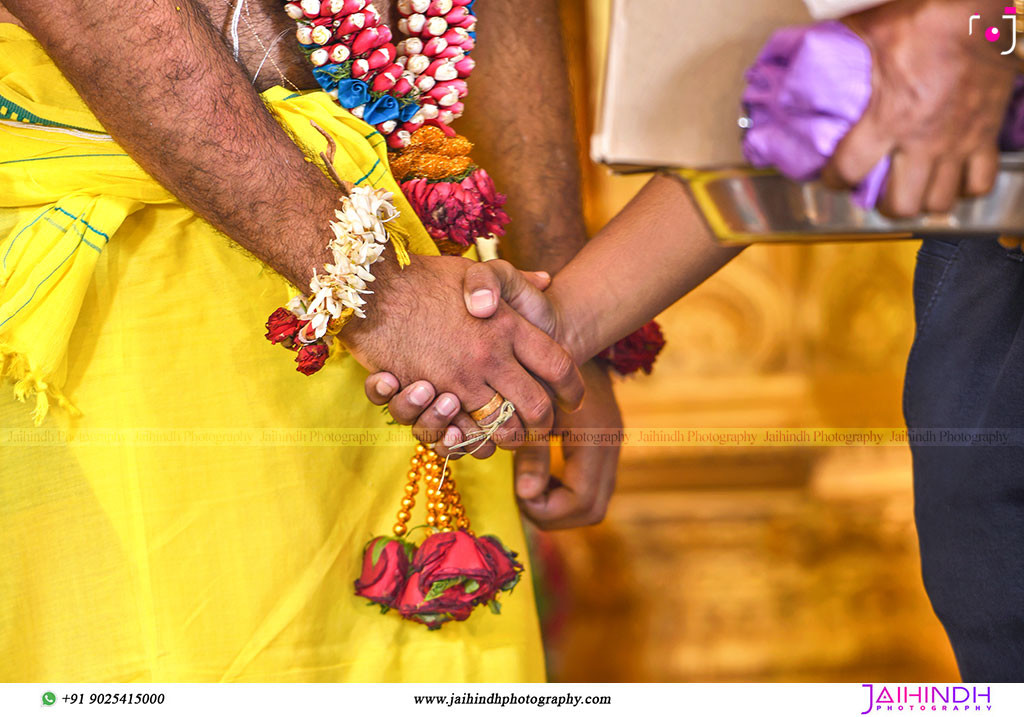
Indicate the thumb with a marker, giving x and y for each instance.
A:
(857, 153)
(538, 279)
(486, 283)
(533, 470)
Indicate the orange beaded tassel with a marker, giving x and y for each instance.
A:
(445, 511)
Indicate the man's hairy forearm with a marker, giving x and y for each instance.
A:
(163, 83)
(520, 116)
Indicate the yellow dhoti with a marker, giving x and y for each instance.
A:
(202, 518)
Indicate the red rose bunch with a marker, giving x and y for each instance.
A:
(311, 358)
(458, 211)
(450, 574)
(637, 351)
(282, 327)
(285, 328)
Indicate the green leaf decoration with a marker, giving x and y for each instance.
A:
(495, 607)
(510, 585)
(438, 588)
(336, 72)
(384, 609)
(378, 548)
(472, 586)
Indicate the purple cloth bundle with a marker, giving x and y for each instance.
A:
(1012, 137)
(807, 88)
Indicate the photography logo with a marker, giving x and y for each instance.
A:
(884, 699)
(993, 33)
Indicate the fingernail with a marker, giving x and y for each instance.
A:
(419, 396)
(452, 436)
(543, 274)
(447, 405)
(481, 299)
(385, 387)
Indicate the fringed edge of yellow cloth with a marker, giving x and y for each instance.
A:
(29, 383)
(400, 240)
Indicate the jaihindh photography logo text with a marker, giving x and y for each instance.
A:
(927, 698)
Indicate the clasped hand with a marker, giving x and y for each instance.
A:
(417, 328)
(509, 338)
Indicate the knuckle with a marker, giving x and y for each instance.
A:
(845, 172)
(486, 452)
(598, 513)
(433, 419)
(482, 354)
(981, 186)
(505, 436)
(900, 207)
(939, 206)
(562, 367)
(403, 417)
(587, 503)
(593, 513)
(537, 411)
(477, 273)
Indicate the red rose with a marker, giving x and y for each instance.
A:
(282, 327)
(413, 606)
(311, 358)
(385, 567)
(637, 351)
(502, 560)
(454, 554)
(451, 574)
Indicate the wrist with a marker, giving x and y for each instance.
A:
(384, 302)
(304, 231)
(549, 251)
(570, 327)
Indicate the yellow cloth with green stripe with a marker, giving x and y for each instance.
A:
(203, 517)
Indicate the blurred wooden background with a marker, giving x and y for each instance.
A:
(728, 563)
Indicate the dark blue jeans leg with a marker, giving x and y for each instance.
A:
(966, 373)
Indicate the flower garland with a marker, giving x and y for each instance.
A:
(395, 88)
(637, 352)
(410, 92)
(454, 198)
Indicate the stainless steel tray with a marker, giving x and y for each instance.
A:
(745, 205)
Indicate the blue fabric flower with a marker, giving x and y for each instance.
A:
(384, 109)
(352, 93)
(407, 111)
(327, 76)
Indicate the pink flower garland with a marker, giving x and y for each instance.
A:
(459, 211)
